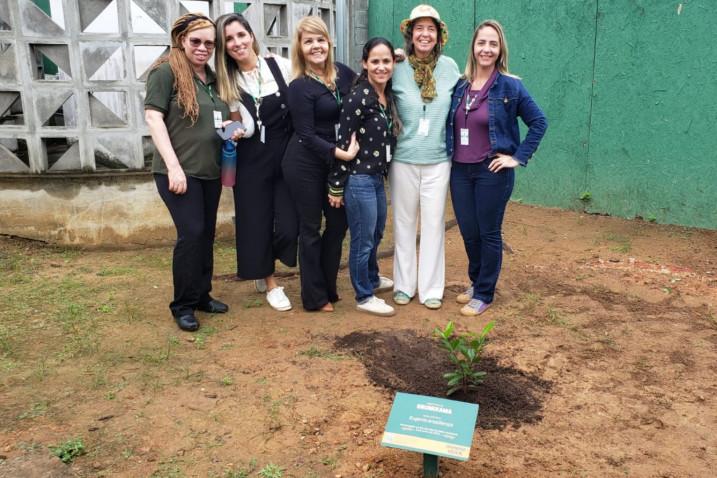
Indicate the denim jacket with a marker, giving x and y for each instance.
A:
(507, 100)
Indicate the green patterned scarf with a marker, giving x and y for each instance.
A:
(423, 74)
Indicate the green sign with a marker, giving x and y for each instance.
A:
(431, 425)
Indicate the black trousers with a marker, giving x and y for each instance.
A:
(195, 216)
(319, 252)
(266, 221)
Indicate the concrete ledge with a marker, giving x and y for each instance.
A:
(93, 210)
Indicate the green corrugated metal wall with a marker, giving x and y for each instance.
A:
(630, 91)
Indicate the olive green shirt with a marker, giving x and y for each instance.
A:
(198, 147)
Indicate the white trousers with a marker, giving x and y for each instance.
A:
(419, 189)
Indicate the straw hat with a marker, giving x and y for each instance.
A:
(424, 11)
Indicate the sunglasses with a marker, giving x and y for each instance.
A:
(196, 42)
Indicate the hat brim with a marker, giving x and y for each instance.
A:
(406, 24)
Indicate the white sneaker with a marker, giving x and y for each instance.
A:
(376, 306)
(278, 300)
(384, 284)
(260, 285)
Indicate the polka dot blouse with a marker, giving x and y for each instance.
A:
(361, 113)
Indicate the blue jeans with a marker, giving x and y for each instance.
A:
(365, 199)
(479, 199)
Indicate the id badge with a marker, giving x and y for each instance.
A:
(388, 153)
(464, 137)
(262, 134)
(423, 126)
(336, 132)
(217, 119)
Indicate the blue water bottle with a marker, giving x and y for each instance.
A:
(229, 163)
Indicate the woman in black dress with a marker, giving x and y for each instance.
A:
(266, 221)
(315, 103)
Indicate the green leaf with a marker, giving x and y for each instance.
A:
(455, 380)
(453, 390)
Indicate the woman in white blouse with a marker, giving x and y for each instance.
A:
(266, 219)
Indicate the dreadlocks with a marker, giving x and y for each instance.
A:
(178, 62)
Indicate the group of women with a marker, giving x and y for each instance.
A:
(318, 142)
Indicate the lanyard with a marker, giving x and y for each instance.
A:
(257, 99)
(334, 92)
(207, 88)
(387, 117)
(469, 102)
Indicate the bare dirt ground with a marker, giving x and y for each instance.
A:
(603, 363)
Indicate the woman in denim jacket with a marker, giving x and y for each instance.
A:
(483, 140)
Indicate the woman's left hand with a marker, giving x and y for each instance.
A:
(336, 201)
(238, 134)
(501, 162)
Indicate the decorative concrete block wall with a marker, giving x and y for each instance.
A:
(72, 75)
(74, 148)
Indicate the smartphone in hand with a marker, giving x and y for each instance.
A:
(227, 131)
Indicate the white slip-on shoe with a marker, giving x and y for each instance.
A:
(260, 285)
(278, 300)
(384, 284)
(376, 306)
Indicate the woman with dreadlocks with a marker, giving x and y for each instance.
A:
(182, 110)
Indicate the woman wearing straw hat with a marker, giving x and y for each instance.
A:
(419, 177)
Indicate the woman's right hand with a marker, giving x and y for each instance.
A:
(177, 180)
(353, 147)
(350, 153)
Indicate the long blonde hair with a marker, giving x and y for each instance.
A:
(179, 63)
(226, 67)
(316, 26)
(501, 63)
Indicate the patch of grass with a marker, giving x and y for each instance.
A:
(555, 318)
(131, 312)
(6, 345)
(529, 301)
(252, 303)
(29, 447)
(168, 469)
(330, 461)
(271, 471)
(37, 409)
(226, 381)
(242, 472)
(115, 271)
(80, 331)
(201, 336)
(163, 354)
(41, 370)
(315, 352)
(68, 450)
(620, 243)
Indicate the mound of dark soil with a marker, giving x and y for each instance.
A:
(402, 361)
